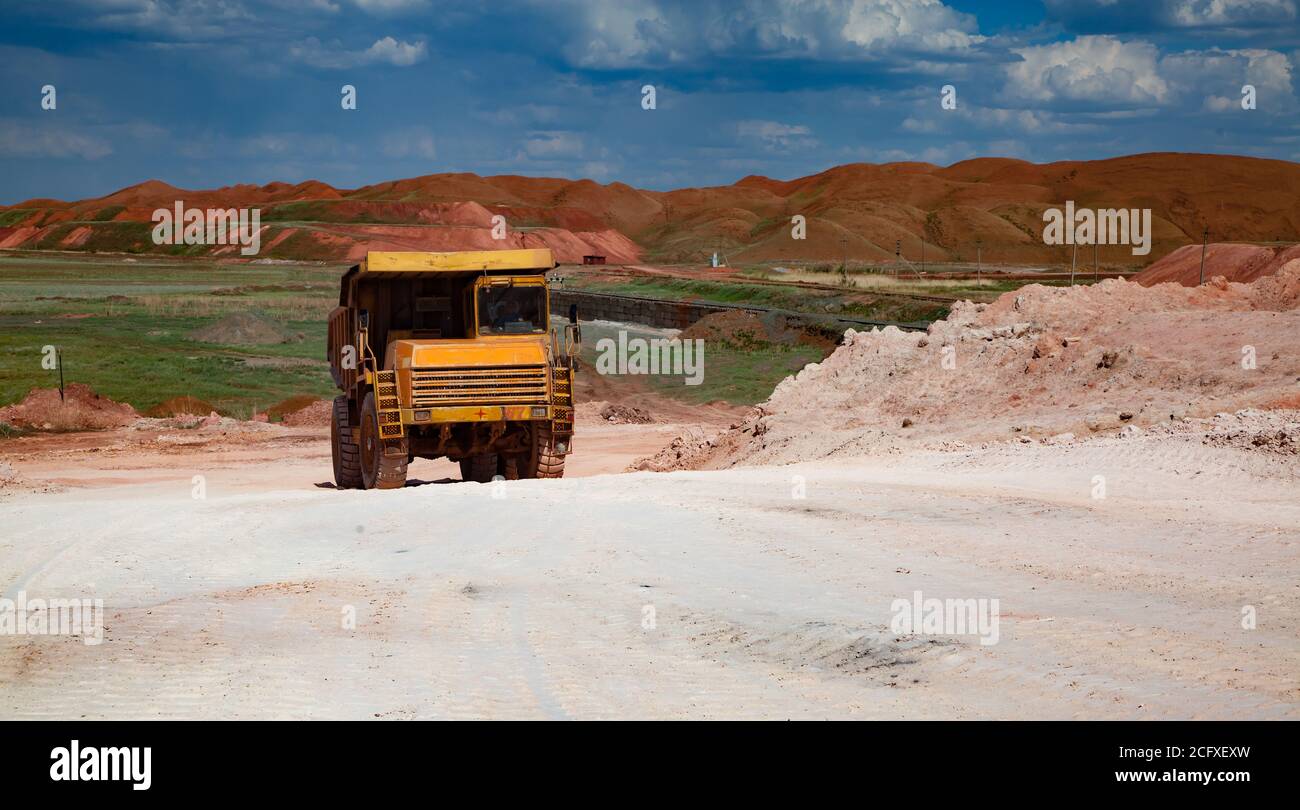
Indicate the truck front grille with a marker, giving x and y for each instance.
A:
(480, 385)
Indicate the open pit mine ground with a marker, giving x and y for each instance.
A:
(237, 583)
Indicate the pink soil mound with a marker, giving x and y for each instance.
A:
(1233, 262)
(80, 409)
(1039, 361)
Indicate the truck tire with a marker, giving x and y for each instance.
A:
(481, 468)
(544, 462)
(347, 456)
(378, 471)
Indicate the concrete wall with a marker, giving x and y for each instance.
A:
(645, 311)
(678, 314)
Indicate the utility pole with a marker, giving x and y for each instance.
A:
(1205, 240)
(979, 263)
(58, 356)
(1094, 260)
(1073, 259)
(844, 263)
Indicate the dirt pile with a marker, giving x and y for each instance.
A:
(1037, 362)
(747, 331)
(625, 415)
(1275, 432)
(315, 414)
(280, 410)
(243, 329)
(1234, 262)
(736, 328)
(80, 409)
(180, 406)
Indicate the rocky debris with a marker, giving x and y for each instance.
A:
(625, 415)
(1048, 360)
(678, 454)
(1267, 431)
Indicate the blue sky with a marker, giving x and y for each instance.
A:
(205, 93)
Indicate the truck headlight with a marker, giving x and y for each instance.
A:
(539, 413)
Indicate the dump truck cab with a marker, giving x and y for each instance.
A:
(450, 355)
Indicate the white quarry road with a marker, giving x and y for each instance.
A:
(682, 595)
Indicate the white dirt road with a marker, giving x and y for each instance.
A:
(681, 595)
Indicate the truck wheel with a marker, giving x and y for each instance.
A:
(511, 468)
(378, 471)
(347, 456)
(480, 468)
(544, 462)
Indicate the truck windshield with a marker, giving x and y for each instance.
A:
(515, 310)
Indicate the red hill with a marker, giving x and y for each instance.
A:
(857, 210)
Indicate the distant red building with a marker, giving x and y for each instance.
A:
(593, 259)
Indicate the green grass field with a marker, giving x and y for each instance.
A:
(867, 279)
(731, 374)
(852, 302)
(122, 328)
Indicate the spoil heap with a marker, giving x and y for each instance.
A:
(1037, 362)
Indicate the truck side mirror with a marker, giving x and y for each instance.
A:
(364, 318)
(573, 313)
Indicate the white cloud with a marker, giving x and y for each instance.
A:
(938, 155)
(1101, 69)
(775, 136)
(920, 125)
(187, 20)
(553, 145)
(24, 140)
(1218, 76)
(599, 170)
(402, 54)
(413, 142)
(928, 23)
(390, 6)
(644, 32)
(1200, 13)
(1176, 14)
(968, 117)
(317, 145)
(387, 50)
(1108, 72)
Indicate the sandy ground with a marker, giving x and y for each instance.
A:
(686, 594)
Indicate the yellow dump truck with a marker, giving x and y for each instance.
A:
(450, 354)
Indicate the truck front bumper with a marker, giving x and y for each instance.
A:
(476, 413)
